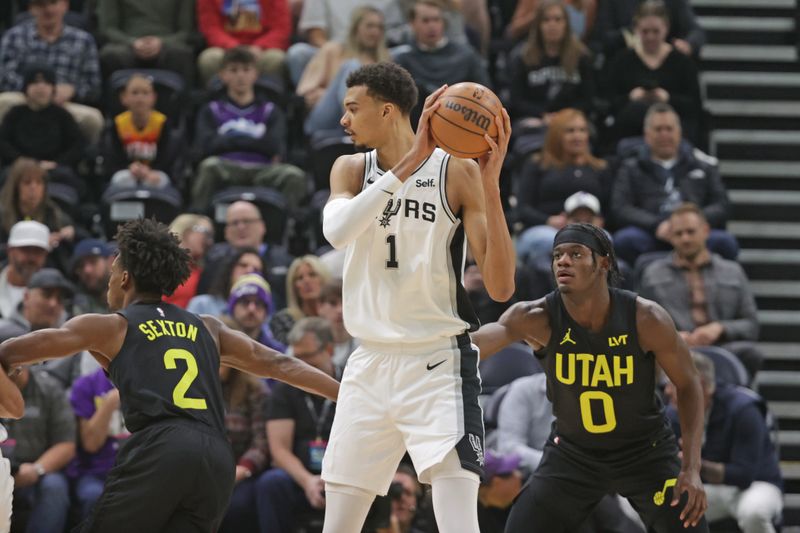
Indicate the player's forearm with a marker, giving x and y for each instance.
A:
(345, 219)
(690, 412)
(499, 262)
(33, 347)
(304, 376)
(12, 405)
(490, 339)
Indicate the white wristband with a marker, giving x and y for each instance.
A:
(343, 219)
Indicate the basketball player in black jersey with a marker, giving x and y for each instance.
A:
(175, 473)
(599, 346)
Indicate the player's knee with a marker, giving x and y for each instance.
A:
(450, 467)
(349, 490)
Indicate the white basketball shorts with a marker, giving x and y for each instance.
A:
(396, 397)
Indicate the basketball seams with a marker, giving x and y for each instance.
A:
(459, 126)
(455, 151)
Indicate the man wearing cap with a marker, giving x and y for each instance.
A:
(45, 438)
(71, 52)
(28, 245)
(91, 266)
(249, 306)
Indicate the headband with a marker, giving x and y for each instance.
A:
(578, 235)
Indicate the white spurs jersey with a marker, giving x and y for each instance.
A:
(403, 275)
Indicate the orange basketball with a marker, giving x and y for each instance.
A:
(466, 113)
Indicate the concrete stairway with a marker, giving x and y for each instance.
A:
(750, 76)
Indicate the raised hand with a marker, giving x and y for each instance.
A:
(492, 162)
(423, 140)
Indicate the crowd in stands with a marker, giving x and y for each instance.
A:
(221, 118)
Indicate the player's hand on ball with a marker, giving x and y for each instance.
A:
(423, 141)
(492, 161)
(696, 504)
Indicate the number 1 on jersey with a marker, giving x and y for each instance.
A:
(179, 393)
(391, 240)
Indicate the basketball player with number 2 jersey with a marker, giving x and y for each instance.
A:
(405, 213)
(176, 471)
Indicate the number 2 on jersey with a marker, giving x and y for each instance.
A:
(391, 240)
(179, 393)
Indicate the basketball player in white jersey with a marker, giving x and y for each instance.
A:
(405, 212)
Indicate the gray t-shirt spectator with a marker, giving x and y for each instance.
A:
(48, 418)
(524, 420)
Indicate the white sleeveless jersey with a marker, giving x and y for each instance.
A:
(403, 275)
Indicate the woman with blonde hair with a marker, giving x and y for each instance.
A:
(564, 167)
(323, 82)
(304, 281)
(551, 70)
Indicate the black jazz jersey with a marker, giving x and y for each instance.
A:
(168, 367)
(602, 385)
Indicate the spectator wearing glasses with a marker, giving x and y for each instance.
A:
(245, 228)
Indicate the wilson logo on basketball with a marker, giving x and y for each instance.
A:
(470, 115)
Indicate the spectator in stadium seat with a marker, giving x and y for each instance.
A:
(246, 401)
(196, 233)
(44, 443)
(42, 304)
(405, 492)
(91, 266)
(264, 26)
(228, 270)
(330, 308)
(653, 72)
(551, 70)
(41, 130)
(563, 167)
(323, 84)
(28, 246)
(242, 138)
(69, 51)
(708, 297)
(329, 20)
(137, 152)
(663, 174)
(432, 58)
(101, 430)
(245, 228)
(612, 30)
(298, 428)
(581, 15)
(250, 306)
(304, 281)
(739, 463)
(24, 197)
(501, 482)
(147, 33)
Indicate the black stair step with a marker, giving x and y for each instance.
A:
(782, 152)
(751, 92)
(728, 65)
(762, 123)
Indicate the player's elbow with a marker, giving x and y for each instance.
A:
(13, 408)
(333, 235)
(501, 292)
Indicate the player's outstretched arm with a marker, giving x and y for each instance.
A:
(239, 351)
(523, 321)
(92, 332)
(11, 403)
(658, 335)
